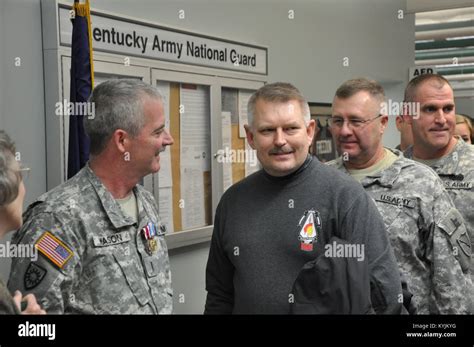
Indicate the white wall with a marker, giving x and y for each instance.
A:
(307, 51)
(21, 92)
(465, 106)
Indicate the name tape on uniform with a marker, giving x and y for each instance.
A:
(110, 240)
(457, 185)
(410, 203)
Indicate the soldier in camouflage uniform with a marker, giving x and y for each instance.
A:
(435, 145)
(98, 255)
(424, 227)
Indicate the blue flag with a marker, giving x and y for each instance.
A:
(82, 82)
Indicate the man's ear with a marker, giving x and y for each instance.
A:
(121, 140)
(408, 119)
(398, 122)
(384, 122)
(250, 136)
(310, 129)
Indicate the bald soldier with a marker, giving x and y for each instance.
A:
(434, 144)
(423, 225)
(100, 245)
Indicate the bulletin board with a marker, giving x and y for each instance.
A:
(323, 145)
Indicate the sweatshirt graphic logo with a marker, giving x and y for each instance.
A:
(309, 227)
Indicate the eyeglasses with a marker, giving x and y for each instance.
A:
(338, 122)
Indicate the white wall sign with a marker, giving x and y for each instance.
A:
(123, 36)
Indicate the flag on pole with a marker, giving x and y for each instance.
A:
(82, 83)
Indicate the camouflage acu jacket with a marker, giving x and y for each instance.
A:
(93, 259)
(457, 173)
(427, 233)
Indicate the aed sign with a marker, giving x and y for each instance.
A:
(420, 70)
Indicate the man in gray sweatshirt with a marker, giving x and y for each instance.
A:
(272, 223)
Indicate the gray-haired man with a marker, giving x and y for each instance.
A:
(98, 236)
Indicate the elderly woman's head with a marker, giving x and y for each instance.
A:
(12, 189)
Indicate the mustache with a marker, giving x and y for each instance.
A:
(280, 150)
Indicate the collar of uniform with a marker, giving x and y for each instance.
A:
(337, 164)
(388, 176)
(408, 153)
(385, 177)
(111, 207)
(144, 208)
(447, 165)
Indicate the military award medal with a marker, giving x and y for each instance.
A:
(309, 227)
(149, 233)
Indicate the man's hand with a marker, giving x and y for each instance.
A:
(30, 304)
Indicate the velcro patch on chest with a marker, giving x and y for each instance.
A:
(397, 201)
(111, 240)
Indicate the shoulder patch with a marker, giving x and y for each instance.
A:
(54, 249)
(33, 276)
(452, 224)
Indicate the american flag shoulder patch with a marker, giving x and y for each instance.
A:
(54, 249)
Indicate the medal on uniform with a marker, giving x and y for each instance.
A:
(152, 245)
(309, 227)
(149, 233)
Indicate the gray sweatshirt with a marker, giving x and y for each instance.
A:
(256, 250)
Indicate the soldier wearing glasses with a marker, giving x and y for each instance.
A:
(422, 222)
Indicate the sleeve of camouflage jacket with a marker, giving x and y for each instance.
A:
(450, 258)
(51, 284)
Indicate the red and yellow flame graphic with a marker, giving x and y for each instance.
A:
(308, 230)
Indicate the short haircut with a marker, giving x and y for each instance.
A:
(412, 86)
(9, 177)
(278, 92)
(118, 104)
(356, 85)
